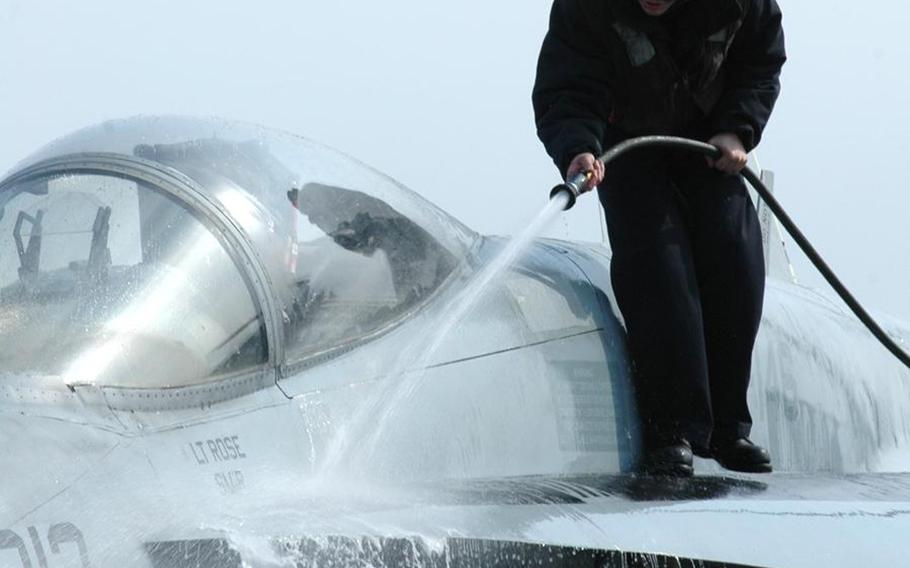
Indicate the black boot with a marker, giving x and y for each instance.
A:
(739, 454)
(670, 456)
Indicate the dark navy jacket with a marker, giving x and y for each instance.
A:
(608, 71)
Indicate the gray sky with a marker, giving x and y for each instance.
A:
(438, 96)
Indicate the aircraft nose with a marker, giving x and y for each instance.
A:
(42, 460)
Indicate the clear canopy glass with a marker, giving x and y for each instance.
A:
(91, 260)
(104, 279)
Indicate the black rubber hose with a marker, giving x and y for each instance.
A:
(789, 225)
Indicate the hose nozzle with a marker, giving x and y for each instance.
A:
(572, 188)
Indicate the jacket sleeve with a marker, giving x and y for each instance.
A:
(752, 75)
(571, 93)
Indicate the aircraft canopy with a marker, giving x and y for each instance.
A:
(165, 252)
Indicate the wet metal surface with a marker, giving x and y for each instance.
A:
(347, 552)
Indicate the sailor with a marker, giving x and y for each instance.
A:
(687, 265)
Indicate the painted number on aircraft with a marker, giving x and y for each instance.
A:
(217, 450)
(62, 538)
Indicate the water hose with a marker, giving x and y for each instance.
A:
(576, 186)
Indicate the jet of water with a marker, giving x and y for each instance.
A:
(369, 423)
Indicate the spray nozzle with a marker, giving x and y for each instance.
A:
(572, 188)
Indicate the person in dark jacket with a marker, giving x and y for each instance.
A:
(687, 265)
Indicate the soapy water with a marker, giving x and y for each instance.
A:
(365, 429)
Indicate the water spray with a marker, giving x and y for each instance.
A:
(574, 187)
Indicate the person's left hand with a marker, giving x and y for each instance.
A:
(733, 154)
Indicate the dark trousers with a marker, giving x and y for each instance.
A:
(688, 272)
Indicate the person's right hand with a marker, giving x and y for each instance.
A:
(586, 163)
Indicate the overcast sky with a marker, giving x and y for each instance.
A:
(438, 96)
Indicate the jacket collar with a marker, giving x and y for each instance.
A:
(703, 17)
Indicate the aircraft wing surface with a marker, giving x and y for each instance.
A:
(621, 520)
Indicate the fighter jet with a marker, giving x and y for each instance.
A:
(213, 352)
